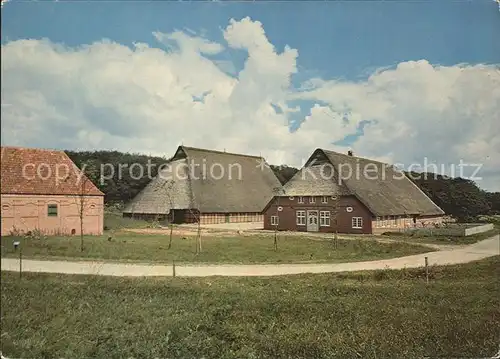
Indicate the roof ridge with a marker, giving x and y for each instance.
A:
(358, 157)
(219, 152)
(31, 148)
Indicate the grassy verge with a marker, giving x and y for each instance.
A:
(444, 239)
(382, 314)
(126, 246)
(114, 221)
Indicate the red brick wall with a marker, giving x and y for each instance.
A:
(358, 210)
(287, 217)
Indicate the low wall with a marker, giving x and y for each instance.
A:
(464, 230)
(480, 228)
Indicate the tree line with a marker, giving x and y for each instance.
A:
(458, 197)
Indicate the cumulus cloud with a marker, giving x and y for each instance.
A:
(444, 114)
(152, 98)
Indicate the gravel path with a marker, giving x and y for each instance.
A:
(483, 249)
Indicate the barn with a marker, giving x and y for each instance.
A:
(207, 186)
(43, 191)
(343, 193)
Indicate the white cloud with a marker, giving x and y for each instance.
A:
(147, 99)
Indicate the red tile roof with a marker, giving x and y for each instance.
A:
(42, 172)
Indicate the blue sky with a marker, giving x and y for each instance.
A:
(340, 42)
(339, 39)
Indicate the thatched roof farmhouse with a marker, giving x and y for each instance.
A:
(348, 194)
(212, 185)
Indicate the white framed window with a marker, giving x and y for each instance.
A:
(357, 222)
(324, 199)
(300, 199)
(324, 218)
(301, 218)
(291, 198)
(274, 220)
(312, 199)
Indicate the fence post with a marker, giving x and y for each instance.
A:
(427, 270)
(20, 261)
(173, 269)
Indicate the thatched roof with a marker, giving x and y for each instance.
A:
(210, 181)
(167, 190)
(383, 189)
(315, 180)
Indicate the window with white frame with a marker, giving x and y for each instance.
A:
(300, 199)
(312, 199)
(357, 222)
(324, 218)
(274, 220)
(301, 218)
(324, 199)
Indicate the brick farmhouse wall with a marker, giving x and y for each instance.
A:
(28, 213)
(288, 215)
(371, 225)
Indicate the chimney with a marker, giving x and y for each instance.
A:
(349, 153)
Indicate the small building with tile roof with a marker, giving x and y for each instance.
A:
(342, 193)
(209, 186)
(44, 191)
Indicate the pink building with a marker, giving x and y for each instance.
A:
(43, 190)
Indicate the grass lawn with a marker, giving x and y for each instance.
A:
(127, 246)
(381, 314)
(115, 220)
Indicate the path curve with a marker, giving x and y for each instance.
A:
(483, 249)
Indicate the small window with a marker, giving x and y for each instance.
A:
(52, 210)
(357, 222)
(274, 220)
(301, 218)
(300, 199)
(324, 218)
(324, 199)
(312, 199)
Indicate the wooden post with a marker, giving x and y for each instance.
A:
(20, 261)
(276, 226)
(427, 270)
(173, 269)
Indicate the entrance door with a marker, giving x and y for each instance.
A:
(312, 221)
(227, 217)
